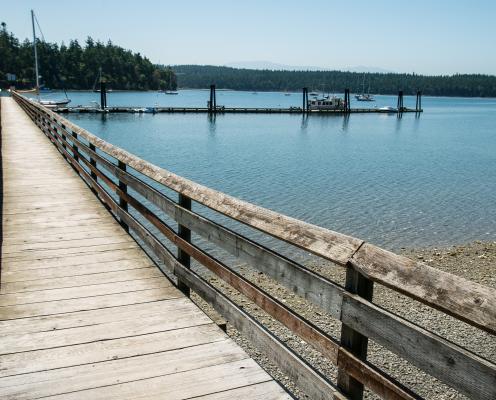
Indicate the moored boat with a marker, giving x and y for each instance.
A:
(53, 103)
(326, 103)
(364, 97)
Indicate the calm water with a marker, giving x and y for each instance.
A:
(394, 182)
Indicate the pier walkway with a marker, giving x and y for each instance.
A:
(84, 313)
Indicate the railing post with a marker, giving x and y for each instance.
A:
(184, 233)
(93, 164)
(122, 202)
(92, 161)
(351, 340)
(74, 147)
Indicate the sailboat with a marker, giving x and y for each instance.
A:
(46, 103)
(99, 79)
(364, 96)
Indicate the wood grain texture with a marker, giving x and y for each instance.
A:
(459, 297)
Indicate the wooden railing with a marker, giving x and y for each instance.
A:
(109, 171)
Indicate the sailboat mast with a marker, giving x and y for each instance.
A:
(35, 55)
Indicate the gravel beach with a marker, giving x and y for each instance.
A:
(475, 261)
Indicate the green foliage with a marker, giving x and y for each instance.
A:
(201, 76)
(76, 67)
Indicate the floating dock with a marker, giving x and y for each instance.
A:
(230, 110)
(213, 108)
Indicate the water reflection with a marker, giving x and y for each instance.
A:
(346, 121)
(304, 122)
(212, 126)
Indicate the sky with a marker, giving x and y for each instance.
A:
(426, 37)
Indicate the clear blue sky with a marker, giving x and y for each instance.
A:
(431, 37)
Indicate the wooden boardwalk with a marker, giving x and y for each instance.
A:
(84, 313)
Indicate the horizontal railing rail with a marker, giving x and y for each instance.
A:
(107, 171)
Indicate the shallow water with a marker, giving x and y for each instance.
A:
(396, 182)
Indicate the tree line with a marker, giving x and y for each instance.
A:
(466, 85)
(76, 66)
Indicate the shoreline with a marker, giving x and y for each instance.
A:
(475, 261)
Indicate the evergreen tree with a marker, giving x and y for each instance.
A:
(76, 66)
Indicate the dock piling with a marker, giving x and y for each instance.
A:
(212, 104)
(347, 105)
(103, 95)
(400, 101)
(418, 103)
(305, 99)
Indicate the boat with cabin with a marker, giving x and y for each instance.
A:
(326, 103)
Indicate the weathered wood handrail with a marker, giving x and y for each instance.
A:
(466, 300)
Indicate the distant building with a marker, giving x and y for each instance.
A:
(10, 77)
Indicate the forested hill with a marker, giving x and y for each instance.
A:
(196, 76)
(75, 66)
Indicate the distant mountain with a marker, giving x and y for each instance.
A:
(363, 68)
(268, 65)
(261, 65)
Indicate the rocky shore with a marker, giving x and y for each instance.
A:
(475, 261)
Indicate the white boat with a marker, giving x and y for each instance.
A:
(387, 109)
(54, 103)
(326, 103)
(171, 92)
(364, 97)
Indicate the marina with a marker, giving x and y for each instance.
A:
(324, 105)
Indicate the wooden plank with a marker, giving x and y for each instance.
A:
(183, 316)
(57, 224)
(115, 349)
(193, 383)
(77, 251)
(49, 219)
(88, 303)
(259, 391)
(131, 369)
(62, 233)
(70, 260)
(464, 299)
(12, 250)
(82, 291)
(71, 271)
(26, 239)
(80, 280)
(90, 317)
